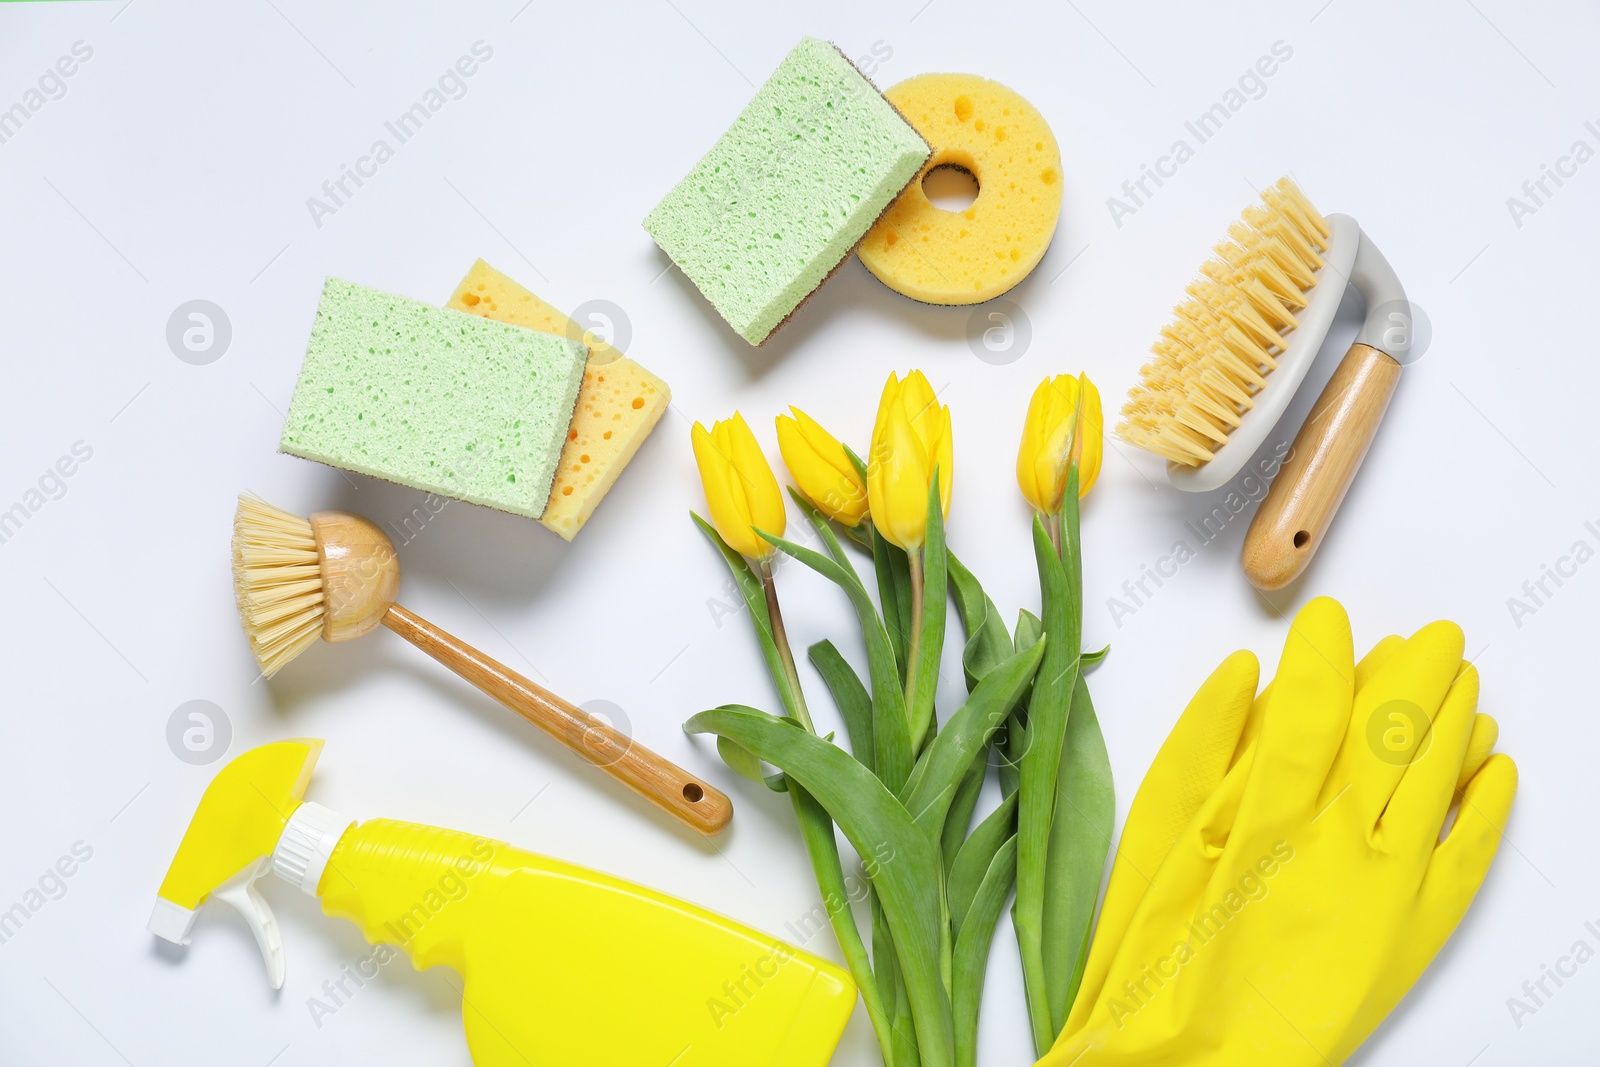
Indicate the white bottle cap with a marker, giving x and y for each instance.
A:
(307, 842)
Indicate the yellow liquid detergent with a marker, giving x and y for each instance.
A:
(560, 965)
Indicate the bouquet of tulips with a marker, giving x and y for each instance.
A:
(906, 793)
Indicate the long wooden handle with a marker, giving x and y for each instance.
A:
(677, 792)
(1296, 514)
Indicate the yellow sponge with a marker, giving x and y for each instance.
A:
(619, 401)
(966, 257)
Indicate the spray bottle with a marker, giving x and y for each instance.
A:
(560, 965)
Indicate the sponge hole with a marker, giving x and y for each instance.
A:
(950, 187)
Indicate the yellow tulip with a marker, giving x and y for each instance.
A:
(821, 467)
(909, 439)
(741, 492)
(1048, 446)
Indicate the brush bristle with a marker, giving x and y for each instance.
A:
(1213, 358)
(277, 577)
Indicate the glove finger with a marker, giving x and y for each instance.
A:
(1366, 669)
(1306, 717)
(1379, 654)
(1185, 772)
(1460, 863)
(1250, 736)
(1141, 852)
(1167, 907)
(1392, 719)
(1485, 733)
(1416, 811)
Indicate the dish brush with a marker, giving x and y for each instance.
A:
(335, 575)
(1237, 350)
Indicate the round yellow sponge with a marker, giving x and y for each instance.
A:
(969, 256)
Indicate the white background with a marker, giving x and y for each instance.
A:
(177, 166)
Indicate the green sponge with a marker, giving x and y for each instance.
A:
(789, 190)
(439, 400)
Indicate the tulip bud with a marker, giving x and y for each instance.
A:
(821, 468)
(910, 438)
(741, 492)
(1050, 445)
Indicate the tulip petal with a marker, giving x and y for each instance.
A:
(1056, 434)
(763, 497)
(821, 468)
(890, 397)
(726, 512)
(740, 489)
(1031, 449)
(944, 456)
(1092, 433)
(900, 507)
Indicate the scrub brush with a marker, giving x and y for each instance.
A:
(1237, 350)
(335, 576)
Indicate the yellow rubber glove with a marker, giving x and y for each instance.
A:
(1309, 891)
(1214, 730)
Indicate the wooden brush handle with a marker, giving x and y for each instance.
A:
(677, 792)
(1294, 517)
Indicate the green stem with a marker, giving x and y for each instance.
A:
(914, 644)
(785, 655)
(817, 829)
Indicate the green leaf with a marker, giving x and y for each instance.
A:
(924, 682)
(1071, 554)
(755, 599)
(959, 819)
(855, 705)
(971, 954)
(894, 593)
(906, 870)
(745, 763)
(887, 968)
(741, 760)
(749, 583)
(1092, 659)
(972, 862)
(1010, 751)
(826, 566)
(1029, 627)
(857, 462)
(931, 789)
(988, 642)
(861, 533)
(824, 528)
(891, 736)
(817, 831)
(1048, 707)
(1080, 839)
(1029, 630)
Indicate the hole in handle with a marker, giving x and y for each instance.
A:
(1302, 538)
(693, 793)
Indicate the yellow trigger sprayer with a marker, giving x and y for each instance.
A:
(560, 965)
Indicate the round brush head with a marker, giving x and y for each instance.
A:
(277, 578)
